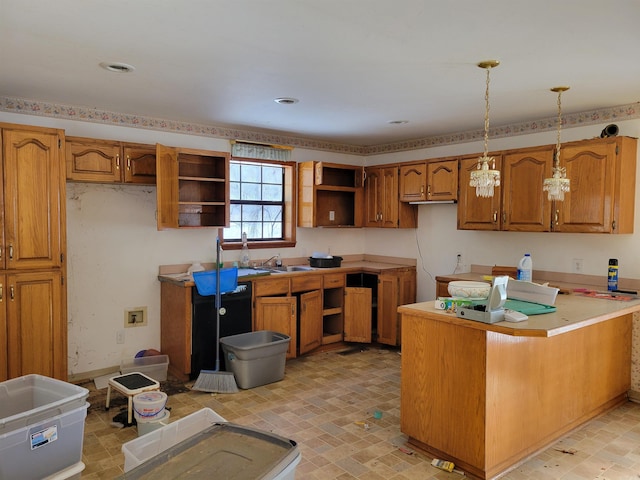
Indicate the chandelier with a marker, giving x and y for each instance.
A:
(484, 179)
(558, 184)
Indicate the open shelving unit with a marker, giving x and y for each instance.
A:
(193, 188)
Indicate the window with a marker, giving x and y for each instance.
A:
(261, 196)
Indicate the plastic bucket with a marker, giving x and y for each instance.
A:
(146, 425)
(149, 405)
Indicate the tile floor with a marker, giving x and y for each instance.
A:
(321, 404)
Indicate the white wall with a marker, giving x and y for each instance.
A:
(114, 248)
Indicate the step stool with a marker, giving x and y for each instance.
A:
(131, 384)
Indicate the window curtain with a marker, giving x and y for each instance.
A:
(260, 151)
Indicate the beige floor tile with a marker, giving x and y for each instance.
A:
(324, 402)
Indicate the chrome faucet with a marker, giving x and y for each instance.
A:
(268, 262)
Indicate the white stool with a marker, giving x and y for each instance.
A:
(131, 384)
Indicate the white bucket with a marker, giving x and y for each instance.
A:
(145, 425)
(149, 405)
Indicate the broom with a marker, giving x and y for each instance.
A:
(215, 381)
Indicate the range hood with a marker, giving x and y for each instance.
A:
(432, 202)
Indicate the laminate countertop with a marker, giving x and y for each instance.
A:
(251, 274)
(572, 312)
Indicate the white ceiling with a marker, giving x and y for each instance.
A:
(354, 65)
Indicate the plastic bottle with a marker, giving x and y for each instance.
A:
(525, 268)
(245, 258)
(612, 275)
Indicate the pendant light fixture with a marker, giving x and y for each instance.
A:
(558, 184)
(484, 179)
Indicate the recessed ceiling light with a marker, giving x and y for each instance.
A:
(286, 100)
(398, 122)
(117, 67)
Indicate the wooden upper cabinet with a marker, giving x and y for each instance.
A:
(524, 205)
(477, 213)
(382, 200)
(192, 188)
(602, 172)
(442, 180)
(139, 164)
(602, 190)
(105, 161)
(33, 197)
(413, 182)
(429, 181)
(329, 195)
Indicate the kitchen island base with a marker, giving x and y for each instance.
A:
(488, 400)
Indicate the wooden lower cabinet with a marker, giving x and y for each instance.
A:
(31, 315)
(310, 321)
(278, 314)
(357, 314)
(487, 400)
(392, 288)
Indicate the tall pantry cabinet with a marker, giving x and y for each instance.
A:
(33, 329)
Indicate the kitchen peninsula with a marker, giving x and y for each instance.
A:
(488, 396)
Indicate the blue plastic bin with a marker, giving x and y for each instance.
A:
(206, 281)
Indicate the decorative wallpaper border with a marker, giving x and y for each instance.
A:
(85, 114)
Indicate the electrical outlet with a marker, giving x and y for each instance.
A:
(135, 317)
(120, 336)
(577, 266)
(332, 216)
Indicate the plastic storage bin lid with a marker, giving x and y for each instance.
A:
(224, 451)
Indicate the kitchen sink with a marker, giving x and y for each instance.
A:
(290, 268)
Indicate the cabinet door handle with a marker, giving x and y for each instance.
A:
(495, 216)
(421, 191)
(10, 252)
(1, 293)
(557, 215)
(118, 162)
(429, 191)
(129, 162)
(0, 253)
(12, 292)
